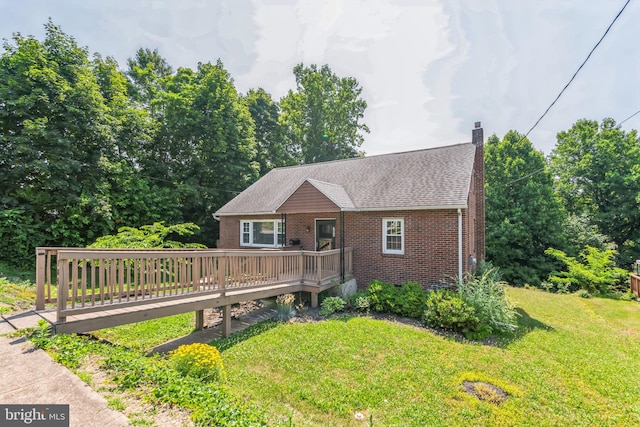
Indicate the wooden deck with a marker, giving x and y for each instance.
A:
(107, 288)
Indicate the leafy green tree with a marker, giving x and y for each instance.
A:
(148, 72)
(597, 170)
(53, 132)
(206, 143)
(271, 152)
(133, 197)
(523, 215)
(322, 119)
(580, 232)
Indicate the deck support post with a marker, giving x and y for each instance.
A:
(41, 267)
(199, 320)
(314, 299)
(226, 321)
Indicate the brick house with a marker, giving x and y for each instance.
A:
(415, 215)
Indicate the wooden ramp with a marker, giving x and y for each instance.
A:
(108, 288)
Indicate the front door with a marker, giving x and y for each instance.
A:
(325, 234)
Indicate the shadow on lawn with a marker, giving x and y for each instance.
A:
(526, 324)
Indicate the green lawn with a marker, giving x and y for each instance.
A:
(573, 362)
(150, 333)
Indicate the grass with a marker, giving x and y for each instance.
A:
(150, 333)
(572, 362)
(17, 293)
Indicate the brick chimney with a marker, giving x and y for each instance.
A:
(477, 138)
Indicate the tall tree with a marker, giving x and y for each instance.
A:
(133, 197)
(597, 170)
(53, 132)
(322, 119)
(206, 143)
(524, 217)
(148, 72)
(271, 151)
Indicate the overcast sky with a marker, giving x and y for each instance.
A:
(429, 68)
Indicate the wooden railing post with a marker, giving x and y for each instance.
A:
(222, 272)
(301, 271)
(41, 268)
(63, 287)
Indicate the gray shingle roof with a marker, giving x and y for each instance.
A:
(423, 179)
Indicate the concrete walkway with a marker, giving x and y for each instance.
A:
(29, 376)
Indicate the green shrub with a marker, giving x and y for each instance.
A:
(382, 296)
(154, 235)
(623, 296)
(410, 300)
(198, 360)
(359, 301)
(447, 310)
(583, 293)
(597, 274)
(487, 296)
(331, 304)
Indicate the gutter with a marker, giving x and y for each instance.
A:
(364, 209)
(459, 245)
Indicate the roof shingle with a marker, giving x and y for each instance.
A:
(423, 179)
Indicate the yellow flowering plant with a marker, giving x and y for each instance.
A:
(199, 361)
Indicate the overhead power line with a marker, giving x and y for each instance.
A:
(565, 88)
(630, 117)
(579, 68)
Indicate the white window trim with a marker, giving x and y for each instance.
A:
(385, 235)
(276, 229)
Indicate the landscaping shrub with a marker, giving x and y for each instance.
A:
(382, 296)
(198, 360)
(583, 293)
(359, 301)
(331, 304)
(410, 300)
(597, 274)
(284, 306)
(447, 310)
(487, 296)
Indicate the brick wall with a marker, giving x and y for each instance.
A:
(430, 252)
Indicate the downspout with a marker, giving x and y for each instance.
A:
(342, 246)
(459, 245)
(283, 221)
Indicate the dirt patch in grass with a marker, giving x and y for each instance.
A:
(485, 391)
(213, 316)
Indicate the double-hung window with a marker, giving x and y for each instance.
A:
(393, 236)
(265, 233)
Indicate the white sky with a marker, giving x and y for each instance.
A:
(429, 68)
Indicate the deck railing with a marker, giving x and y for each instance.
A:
(95, 279)
(635, 284)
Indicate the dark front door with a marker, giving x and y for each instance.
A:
(325, 234)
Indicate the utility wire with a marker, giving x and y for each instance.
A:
(631, 116)
(579, 68)
(565, 88)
